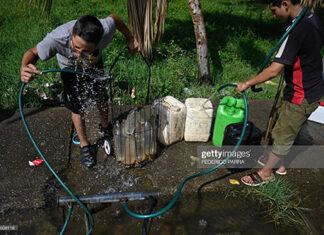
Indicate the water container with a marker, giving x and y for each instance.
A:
(171, 115)
(230, 110)
(198, 120)
(130, 151)
(153, 146)
(131, 120)
(134, 138)
(121, 155)
(147, 137)
(117, 139)
(139, 142)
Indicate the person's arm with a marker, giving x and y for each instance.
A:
(132, 43)
(28, 68)
(272, 71)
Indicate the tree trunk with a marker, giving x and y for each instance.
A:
(201, 41)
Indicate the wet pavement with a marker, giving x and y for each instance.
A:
(32, 188)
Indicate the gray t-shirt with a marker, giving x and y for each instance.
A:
(58, 42)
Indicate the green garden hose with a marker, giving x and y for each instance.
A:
(175, 198)
(46, 162)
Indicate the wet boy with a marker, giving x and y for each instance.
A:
(76, 45)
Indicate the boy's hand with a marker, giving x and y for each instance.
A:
(27, 73)
(133, 45)
(241, 86)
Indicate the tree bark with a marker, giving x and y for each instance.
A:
(201, 41)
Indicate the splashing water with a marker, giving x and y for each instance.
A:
(95, 73)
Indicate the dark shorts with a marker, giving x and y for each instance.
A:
(80, 91)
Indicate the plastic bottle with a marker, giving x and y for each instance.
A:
(132, 149)
(117, 140)
(130, 153)
(153, 139)
(139, 142)
(126, 159)
(131, 121)
(187, 91)
(122, 142)
(230, 110)
(147, 137)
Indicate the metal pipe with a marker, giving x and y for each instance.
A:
(108, 197)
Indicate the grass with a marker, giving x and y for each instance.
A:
(240, 35)
(280, 200)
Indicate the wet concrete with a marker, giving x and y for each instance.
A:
(30, 188)
(23, 186)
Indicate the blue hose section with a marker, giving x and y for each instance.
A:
(42, 156)
(75, 141)
(175, 198)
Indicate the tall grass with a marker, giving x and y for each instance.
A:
(240, 34)
(280, 200)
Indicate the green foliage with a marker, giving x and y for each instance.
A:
(41, 6)
(171, 71)
(240, 35)
(280, 199)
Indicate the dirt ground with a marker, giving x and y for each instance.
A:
(23, 186)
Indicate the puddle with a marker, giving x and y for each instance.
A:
(207, 213)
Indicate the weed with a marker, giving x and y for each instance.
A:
(281, 201)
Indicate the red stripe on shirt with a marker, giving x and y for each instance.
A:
(299, 93)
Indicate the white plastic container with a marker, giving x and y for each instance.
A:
(198, 120)
(170, 116)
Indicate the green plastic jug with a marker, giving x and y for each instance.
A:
(230, 110)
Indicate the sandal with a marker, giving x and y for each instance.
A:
(262, 160)
(281, 172)
(257, 180)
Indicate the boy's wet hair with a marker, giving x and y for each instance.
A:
(278, 2)
(88, 28)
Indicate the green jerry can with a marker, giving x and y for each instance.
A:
(230, 110)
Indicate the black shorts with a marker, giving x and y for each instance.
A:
(80, 91)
